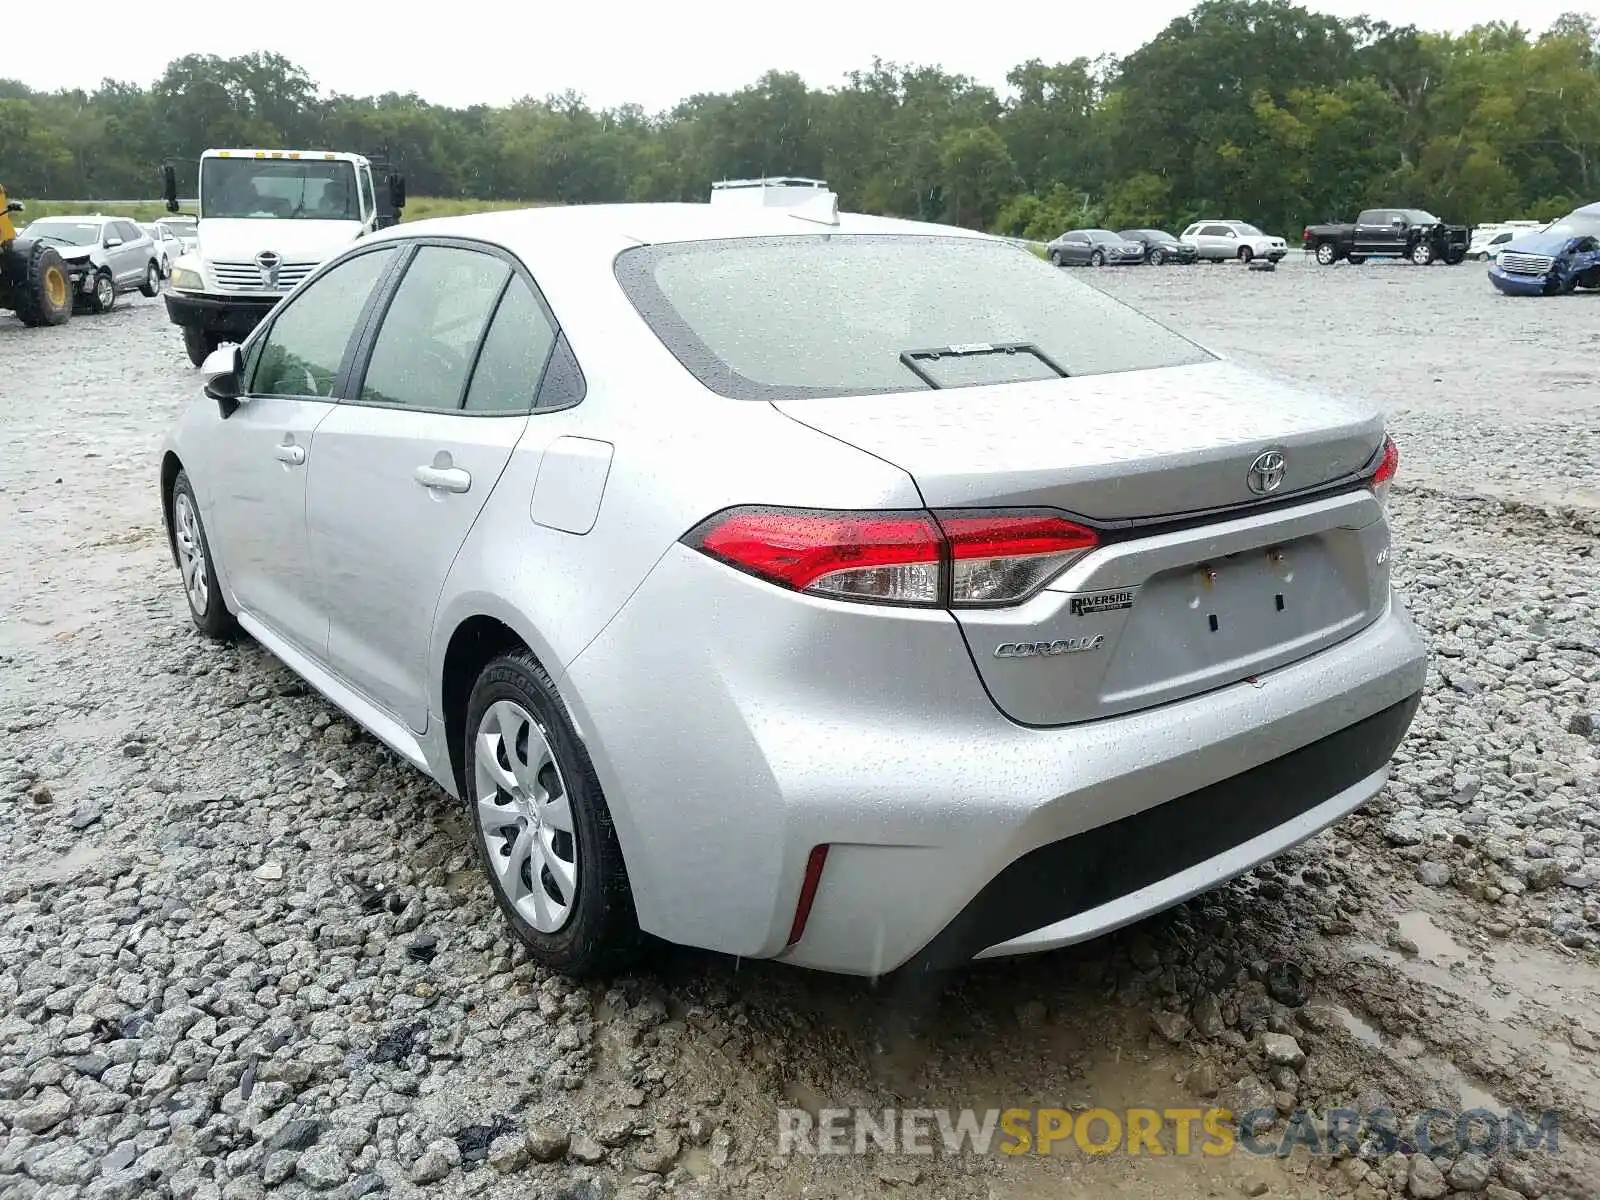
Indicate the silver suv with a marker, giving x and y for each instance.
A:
(1222, 240)
(123, 256)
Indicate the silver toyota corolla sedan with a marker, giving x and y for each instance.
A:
(853, 592)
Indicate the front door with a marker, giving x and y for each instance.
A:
(404, 468)
(267, 446)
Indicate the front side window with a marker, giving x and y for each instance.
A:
(305, 346)
(430, 334)
(836, 315)
(310, 189)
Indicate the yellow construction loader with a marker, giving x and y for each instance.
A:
(34, 281)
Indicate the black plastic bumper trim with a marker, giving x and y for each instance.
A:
(233, 315)
(1064, 878)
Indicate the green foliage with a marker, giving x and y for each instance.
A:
(1255, 109)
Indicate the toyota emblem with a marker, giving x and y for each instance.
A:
(1266, 473)
(267, 263)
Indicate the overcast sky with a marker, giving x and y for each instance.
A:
(654, 54)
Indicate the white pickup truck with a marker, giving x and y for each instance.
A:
(267, 219)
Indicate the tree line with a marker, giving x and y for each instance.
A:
(1255, 109)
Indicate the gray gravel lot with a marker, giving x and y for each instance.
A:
(245, 951)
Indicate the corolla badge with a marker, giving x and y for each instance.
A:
(268, 263)
(1266, 473)
(1070, 645)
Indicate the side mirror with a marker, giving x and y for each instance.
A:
(169, 186)
(397, 192)
(112, 241)
(221, 374)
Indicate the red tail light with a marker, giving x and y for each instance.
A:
(1388, 465)
(904, 557)
(999, 558)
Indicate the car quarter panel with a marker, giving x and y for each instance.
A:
(679, 453)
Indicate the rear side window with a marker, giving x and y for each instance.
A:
(424, 350)
(833, 315)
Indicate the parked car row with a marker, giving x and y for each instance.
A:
(1212, 241)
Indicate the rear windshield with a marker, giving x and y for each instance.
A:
(838, 314)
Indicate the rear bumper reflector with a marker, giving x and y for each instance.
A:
(808, 892)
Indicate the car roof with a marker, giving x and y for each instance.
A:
(1587, 210)
(623, 225)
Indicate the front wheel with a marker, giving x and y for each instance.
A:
(1422, 254)
(1246, 254)
(1157, 257)
(104, 297)
(1097, 259)
(193, 552)
(151, 286)
(199, 344)
(1326, 254)
(1055, 258)
(41, 290)
(544, 832)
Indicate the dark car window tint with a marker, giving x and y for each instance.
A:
(790, 317)
(514, 354)
(425, 348)
(302, 351)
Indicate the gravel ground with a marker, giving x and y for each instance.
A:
(245, 951)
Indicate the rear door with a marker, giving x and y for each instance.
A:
(404, 467)
(1375, 233)
(136, 251)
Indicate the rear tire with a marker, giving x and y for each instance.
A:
(199, 344)
(104, 297)
(42, 291)
(593, 929)
(1358, 259)
(196, 566)
(151, 286)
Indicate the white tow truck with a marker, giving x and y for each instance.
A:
(267, 219)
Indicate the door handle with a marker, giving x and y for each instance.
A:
(443, 479)
(291, 454)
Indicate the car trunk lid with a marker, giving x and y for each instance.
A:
(1198, 582)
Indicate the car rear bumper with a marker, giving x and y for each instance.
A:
(234, 315)
(768, 724)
